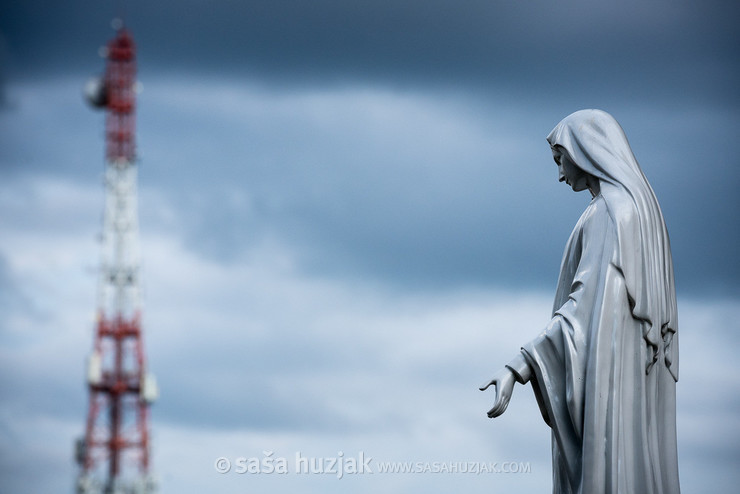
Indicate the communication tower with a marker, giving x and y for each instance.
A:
(114, 453)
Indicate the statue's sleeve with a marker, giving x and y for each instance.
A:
(520, 368)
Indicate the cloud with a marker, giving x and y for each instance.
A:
(356, 172)
(630, 48)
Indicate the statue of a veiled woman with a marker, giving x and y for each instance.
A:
(604, 370)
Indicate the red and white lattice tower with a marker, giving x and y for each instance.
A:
(114, 453)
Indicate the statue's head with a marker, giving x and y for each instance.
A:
(594, 142)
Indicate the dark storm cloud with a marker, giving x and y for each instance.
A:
(645, 46)
(413, 191)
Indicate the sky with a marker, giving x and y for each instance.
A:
(350, 219)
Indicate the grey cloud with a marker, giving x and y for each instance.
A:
(426, 189)
(631, 47)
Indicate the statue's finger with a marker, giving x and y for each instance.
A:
(485, 386)
(494, 412)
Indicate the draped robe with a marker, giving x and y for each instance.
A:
(604, 369)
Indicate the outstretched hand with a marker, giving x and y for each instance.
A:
(504, 381)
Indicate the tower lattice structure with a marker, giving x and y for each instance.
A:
(114, 453)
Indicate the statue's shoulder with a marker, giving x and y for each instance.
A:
(596, 212)
(597, 220)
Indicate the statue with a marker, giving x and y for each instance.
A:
(604, 370)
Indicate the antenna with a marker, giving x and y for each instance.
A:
(114, 453)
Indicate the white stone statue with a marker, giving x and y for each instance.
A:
(604, 370)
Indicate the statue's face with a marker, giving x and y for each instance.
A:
(568, 172)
